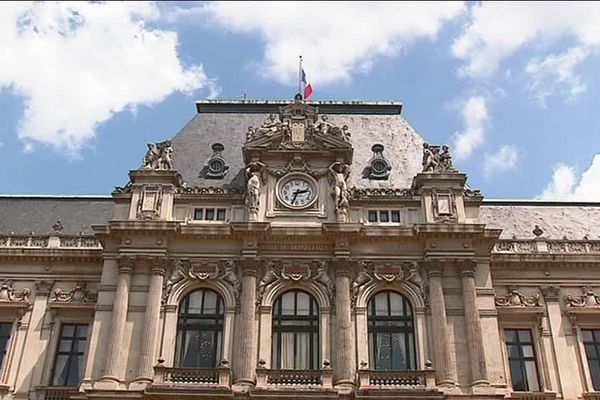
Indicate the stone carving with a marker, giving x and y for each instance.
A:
(378, 167)
(216, 167)
(79, 294)
(184, 270)
(268, 128)
(255, 172)
(537, 231)
(316, 271)
(588, 299)
(406, 271)
(339, 173)
(297, 164)
(444, 206)
(514, 298)
(148, 206)
(58, 226)
(357, 193)
(9, 294)
(436, 161)
(159, 156)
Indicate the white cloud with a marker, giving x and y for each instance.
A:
(565, 185)
(506, 158)
(336, 39)
(497, 30)
(554, 75)
(77, 63)
(475, 117)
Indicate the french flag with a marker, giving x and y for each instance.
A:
(307, 87)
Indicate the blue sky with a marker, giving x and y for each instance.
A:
(512, 87)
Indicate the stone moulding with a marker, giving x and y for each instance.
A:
(45, 241)
(550, 246)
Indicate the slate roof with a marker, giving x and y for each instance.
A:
(558, 220)
(227, 122)
(25, 214)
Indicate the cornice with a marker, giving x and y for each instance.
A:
(52, 254)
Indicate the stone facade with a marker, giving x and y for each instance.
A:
(341, 201)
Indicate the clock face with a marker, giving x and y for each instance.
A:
(297, 193)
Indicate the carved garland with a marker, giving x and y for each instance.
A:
(79, 294)
(9, 294)
(587, 299)
(514, 298)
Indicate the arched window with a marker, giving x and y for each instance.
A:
(391, 332)
(295, 331)
(200, 330)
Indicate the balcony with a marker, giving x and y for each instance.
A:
(215, 381)
(533, 396)
(54, 393)
(398, 384)
(301, 382)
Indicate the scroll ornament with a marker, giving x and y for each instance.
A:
(79, 294)
(514, 298)
(9, 294)
(588, 299)
(185, 270)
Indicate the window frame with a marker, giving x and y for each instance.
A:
(217, 328)
(407, 331)
(378, 213)
(215, 210)
(279, 326)
(57, 351)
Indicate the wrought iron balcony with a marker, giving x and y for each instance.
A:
(55, 393)
(288, 378)
(380, 379)
(193, 377)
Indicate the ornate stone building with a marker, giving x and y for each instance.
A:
(299, 250)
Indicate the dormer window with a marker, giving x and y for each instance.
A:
(210, 214)
(383, 216)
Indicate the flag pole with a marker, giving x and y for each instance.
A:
(300, 76)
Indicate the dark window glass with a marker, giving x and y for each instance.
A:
(295, 331)
(372, 216)
(521, 360)
(591, 341)
(384, 216)
(200, 330)
(198, 214)
(210, 214)
(220, 214)
(395, 216)
(5, 329)
(69, 362)
(391, 332)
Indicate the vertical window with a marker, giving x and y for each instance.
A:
(210, 214)
(521, 360)
(68, 363)
(391, 332)
(5, 329)
(372, 216)
(199, 214)
(200, 330)
(295, 331)
(384, 216)
(220, 214)
(395, 216)
(591, 341)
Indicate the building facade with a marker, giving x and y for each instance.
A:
(300, 250)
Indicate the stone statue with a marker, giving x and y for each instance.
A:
(446, 159)
(159, 156)
(254, 172)
(229, 275)
(271, 275)
(364, 276)
(430, 161)
(269, 127)
(320, 275)
(339, 173)
(323, 126)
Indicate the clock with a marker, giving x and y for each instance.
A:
(297, 191)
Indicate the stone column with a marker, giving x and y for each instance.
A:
(439, 324)
(344, 355)
(473, 325)
(119, 318)
(246, 340)
(151, 320)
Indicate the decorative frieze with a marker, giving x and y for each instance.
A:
(514, 298)
(551, 246)
(587, 299)
(186, 270)
(10, 295)
(79, 294)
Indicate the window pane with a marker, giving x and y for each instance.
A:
(510, 335)
(302, 304)
(398, 351)
(206, 347)
(68, 363)
(383, 351)
(67, 330)
(513, 351)
(60, 371)
(384, 216)
(210, 214)
(198, 214)
(587, 336)
(220, 214)
(396, 304)
(195, 302)
(287, 350)
(302, 350)
(64, 346)
(372, 216)
(532, 378)
(210, 302)
(381, 305)
(516, 376)
(287, 303)
(525, 336)
(81, 331)
(527, 351)
(595, 371)
(396, 216)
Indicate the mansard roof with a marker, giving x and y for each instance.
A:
(25, 214)
(227, 122)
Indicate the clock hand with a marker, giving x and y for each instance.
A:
(295, 195)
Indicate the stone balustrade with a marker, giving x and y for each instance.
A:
(49, 241)
(369, 379)
(282, 378)
(547, 246)
(532, 396)
(208, 377)
(54, 393)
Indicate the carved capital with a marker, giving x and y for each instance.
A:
(126, 265)
(467, 268)
(43, 287)
(550, 293)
